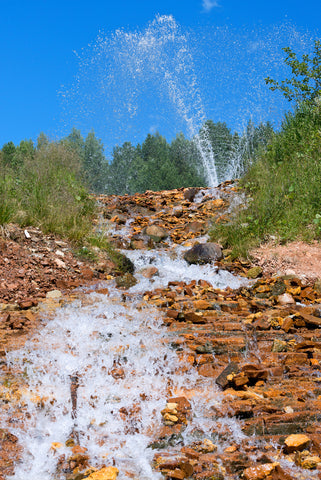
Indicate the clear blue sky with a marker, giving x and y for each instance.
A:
(39, 37)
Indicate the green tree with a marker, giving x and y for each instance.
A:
(221, 140)
(42, 141)
(76, 142)
(8, 152)
(305, 84)
(184, 156)
(94, 162)
(23, 152)
(119, 173)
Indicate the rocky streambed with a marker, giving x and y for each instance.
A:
(201, 370)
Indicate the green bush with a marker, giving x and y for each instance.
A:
(283, 186)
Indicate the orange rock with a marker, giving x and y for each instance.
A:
(260, 472)
(202, 304)
(207, 370)
(296, 442)
(106, 473)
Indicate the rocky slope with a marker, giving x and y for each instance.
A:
(259, 345)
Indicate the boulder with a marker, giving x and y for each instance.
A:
(203, 253)
(156, 233)
(126, 281)
(189, 194)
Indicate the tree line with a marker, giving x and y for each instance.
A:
(155, 164)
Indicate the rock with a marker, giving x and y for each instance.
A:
(285, 299)
(149, 272)
(54, 294)
(310, 462)
(194, 318)
(206, 446)
(317, 286)
(222, 379)
(27, 303)
(254, 272)
(279, 346)
(260, 472)
(189, 194)
(195, 227)
(255, 373)
(126, 281)
(177, 211)
(156, 233)
(60, 263)
(203, 253)
(296, 443)
(125, 265)
(106, 473)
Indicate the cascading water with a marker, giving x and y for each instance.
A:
(119, 359)
(92, 385)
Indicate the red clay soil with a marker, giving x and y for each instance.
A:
(296, 258)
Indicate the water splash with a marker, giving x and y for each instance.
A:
(169, 79)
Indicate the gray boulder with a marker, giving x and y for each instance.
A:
(156, 233)
(203, 253)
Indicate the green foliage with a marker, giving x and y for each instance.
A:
(284, 186)
(154, 165)
(222, 142)
(304, 86)
(94, 163)
(45, 189)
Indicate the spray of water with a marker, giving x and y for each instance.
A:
(168, 79)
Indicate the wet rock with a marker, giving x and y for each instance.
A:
(149, 272)
(310, 462)
(194, 317)
(223, 379)
(54, 294)
(203, 253)
(285, 299)
(126, 281)
(279, 346)
(125, 265)
(156, 233)
(317, 286)
(278, 288)
(190, 193)
(255, 373)
(254, 272)
(106, 473)
(260, 472)
(177, 211)
(296, 442)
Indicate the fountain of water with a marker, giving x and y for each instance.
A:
(164, 78)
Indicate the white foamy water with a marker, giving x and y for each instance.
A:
(171, 266)
(93, 340)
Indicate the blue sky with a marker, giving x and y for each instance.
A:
(39, 39)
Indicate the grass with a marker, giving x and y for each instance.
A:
(283, 186)
(46, 190)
